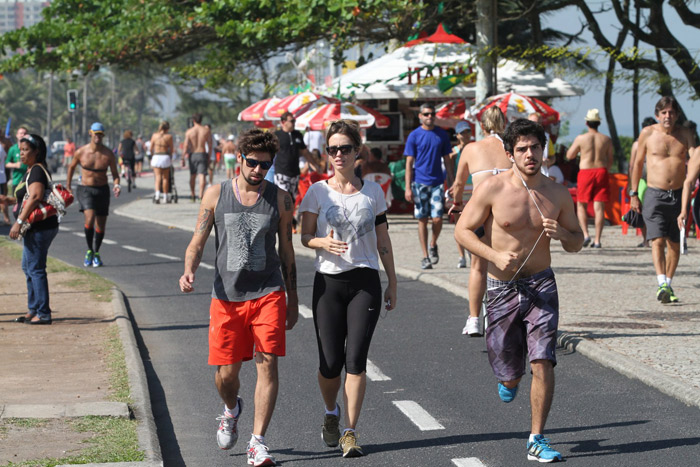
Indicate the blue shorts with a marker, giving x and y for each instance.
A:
(427, 200)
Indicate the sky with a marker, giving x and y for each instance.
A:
(574, 108)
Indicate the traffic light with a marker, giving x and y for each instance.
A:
(72, 100)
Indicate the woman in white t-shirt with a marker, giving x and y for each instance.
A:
(344, 220)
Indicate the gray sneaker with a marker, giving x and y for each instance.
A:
(462, 263)
(426, 264)
(331, 432)
(227, 434)
(434, 256)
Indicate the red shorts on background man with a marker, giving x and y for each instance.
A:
(593, 185)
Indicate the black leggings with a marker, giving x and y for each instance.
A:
(346, 309)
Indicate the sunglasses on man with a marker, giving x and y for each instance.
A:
(428, 114)
(252, 163)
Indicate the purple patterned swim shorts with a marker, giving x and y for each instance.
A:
(523, 317)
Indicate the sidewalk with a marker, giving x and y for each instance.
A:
(609, 310)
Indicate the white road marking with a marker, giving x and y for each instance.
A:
(107, 241)
(305, 311)
(133, 248)
(468, 462)
(206, 266)
(164, 256)
(418, 415)
(78, 234)
(374, 373)
(67, 229)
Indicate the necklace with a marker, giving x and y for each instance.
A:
(340, 187)
(238, 195)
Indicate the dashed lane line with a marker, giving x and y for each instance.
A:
(107, 241)
(133, 248)
(468, 462)
(418, 415)
(305, 311)
(164, 256)
(78, 234)
(206, 266)
(374, 373)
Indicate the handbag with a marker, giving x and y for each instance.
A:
(56, 199)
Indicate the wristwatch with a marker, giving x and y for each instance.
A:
(20, 221)
(633, 193)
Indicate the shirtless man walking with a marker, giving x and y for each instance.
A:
(93, 193)
(197, 142)
(665, 148)
(522, 210)
(482, 160)
(596, 151)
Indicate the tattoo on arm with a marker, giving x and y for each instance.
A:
(203, 223)
(383, 250)
(193, 258)
(287, 202)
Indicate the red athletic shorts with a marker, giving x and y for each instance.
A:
(237, 329)
(593, 185)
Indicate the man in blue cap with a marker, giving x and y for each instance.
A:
(93, 193)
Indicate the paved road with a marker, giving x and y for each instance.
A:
(600, 418)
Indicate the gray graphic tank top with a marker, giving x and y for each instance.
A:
(247, 264)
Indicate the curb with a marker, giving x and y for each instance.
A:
(629, 367)
(138, 385)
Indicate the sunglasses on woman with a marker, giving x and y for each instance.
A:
(345, 149)
(252, 163)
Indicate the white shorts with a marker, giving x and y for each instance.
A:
(161, 161)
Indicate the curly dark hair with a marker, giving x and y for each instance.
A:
(522, 127)
(256, 140)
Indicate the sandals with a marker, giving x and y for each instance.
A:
(23, 319)
(37, 320)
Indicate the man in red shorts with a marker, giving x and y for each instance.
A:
(596, 151)
(248, 310)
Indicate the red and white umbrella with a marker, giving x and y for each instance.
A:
(256, 112)
(451, 109)
(292, 104)
(318, 119)
(516, 105)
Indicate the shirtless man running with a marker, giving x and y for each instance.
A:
(229, 150)
(522, 210)
(665, 148)
(197, 141)
(93, 193)
(482, 160)
(596, 151)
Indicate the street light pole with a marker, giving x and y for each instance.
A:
(485, 38)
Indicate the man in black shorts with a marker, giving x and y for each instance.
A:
(198, 140)
(93, 193)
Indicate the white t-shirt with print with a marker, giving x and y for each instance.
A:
(351, 217)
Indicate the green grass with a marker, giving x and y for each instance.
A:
(118, 376)
(114, 440)
(99, 287)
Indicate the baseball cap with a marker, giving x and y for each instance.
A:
(97, 127)
(462, 125)
(593, 115)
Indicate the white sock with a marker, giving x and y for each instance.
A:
(255, 439)
(234, 412)
(661, 279)
(668, 280)
(531, 439)
(157, 194)
(335, 411)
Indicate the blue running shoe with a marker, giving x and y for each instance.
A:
(507, 395)
(88, 258)
(96, 261)
(539, 450)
